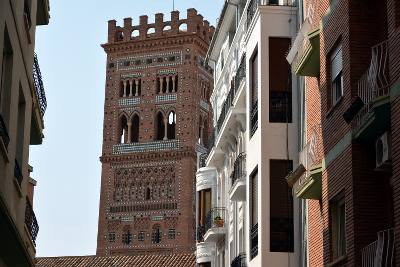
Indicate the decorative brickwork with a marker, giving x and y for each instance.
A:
(156, 97)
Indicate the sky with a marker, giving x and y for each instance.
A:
(73, 66)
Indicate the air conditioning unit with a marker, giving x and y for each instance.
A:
(383, 151)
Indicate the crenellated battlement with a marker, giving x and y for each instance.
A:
(193, 24)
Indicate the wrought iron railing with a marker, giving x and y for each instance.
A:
(240, 73)
(200, 233)
(225, 108)
(202, 160)
(251, 10)
(211, 140)
(380, 253)
(37, 77)
(239, 167)
(27, 12)
(17, 173)
(280, 106)
(3, 132)
(254, 119)
(212, 215)
(374, 83)
(239, 260)
(30, 221)
(254, 241)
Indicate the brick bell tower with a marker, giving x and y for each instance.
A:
(157, 118)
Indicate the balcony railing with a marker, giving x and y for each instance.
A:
(240, 73)
(3, 132)
(202, 160)
(254, 119)
(280, 106)
(374, 83)
(309, 156)
(211, 215)
(211, 141)
(30, 221)
(254, 241)
(239, 167)
(251, 10)
(380, 253)
(239, 260)
(37, 77)
(200, 233)
(225, 108)
(28, 13)
(17, 173)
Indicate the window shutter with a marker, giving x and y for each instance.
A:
(254, 206)
(336, 62)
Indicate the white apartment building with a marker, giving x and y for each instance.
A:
(255, 142)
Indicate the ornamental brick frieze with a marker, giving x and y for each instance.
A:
(145, 157)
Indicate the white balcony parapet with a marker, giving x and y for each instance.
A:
(205, 178)
(204, 252)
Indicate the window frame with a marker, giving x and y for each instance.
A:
(336, 59)
(338, 226)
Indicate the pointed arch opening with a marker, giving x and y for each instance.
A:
(123, 130)
(135, 128)
(156, 235)
(171, 125)
(159, 127)
(148, 193)
(127, 235)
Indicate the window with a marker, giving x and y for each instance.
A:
(254, 93)
(254, 214)
(149, 61)
(137, 62)
(160, 59)
(127, 237)
(171, 125)
(336, 74)
(187, 56)
(141, 236)
(338, 209)
(171, 234)
(159, 127)
(156, 237)
(111, 237)
(127, 63)
(171, 58)
(111, 65)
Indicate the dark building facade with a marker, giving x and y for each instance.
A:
(157, 118)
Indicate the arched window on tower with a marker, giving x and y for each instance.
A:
(156, 235)
(123, 130)
(201, 127)
(171, 125)
(205, 133)
(127, 236)
(148, 194)
(159, 127)
(135, 129)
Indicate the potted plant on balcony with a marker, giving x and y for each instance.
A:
(219, 221)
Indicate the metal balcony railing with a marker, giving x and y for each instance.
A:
(380, 253)
(254, 119)
(3, 132)
(17, 173)
(374, 83)
(239, 167)
(225, 108)
(211, 215)
(202, 160)
(239, 260)
(27, 12)
(252, 7)
(240, 73)
(211, 141)
(37, 77)
(309, 156)
(30, 221)
(200, 231)
(254, 241)
(280, 106)
(251, 10)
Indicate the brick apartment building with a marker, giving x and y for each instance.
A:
(349, 55)
(157, 117)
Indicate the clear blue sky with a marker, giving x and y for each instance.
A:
(67, 165)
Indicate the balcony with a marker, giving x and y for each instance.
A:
(280, 106)
(306, 178)
(40, 105)
(252, 7)
(17, 173)
(304, 52)
(215, 229)
(239, 260)
(381, 252)
(373, 119)
(238, 189)
(31, 222)
(200, 231)
(254, 241)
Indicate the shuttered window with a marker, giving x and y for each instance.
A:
(254, 200)
(281, 207)
(336, 74)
